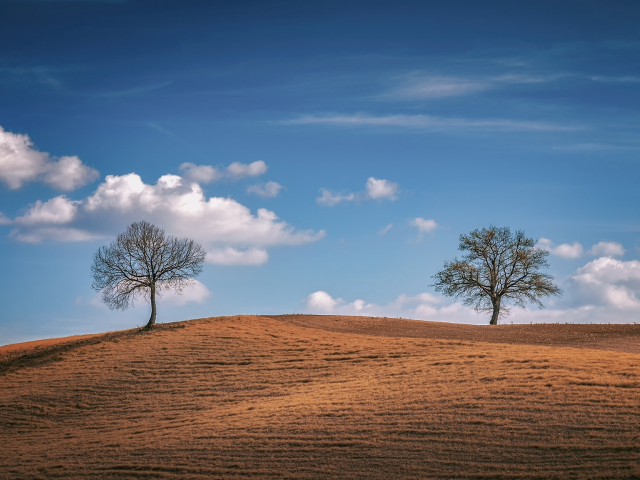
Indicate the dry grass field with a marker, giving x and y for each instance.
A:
(324, 397)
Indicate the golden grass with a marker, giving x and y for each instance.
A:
(239, 397)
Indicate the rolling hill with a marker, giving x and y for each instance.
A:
(301, 396)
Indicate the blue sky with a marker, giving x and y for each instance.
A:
(326, 154)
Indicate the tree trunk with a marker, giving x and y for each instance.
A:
(152, 318)
(496, 312)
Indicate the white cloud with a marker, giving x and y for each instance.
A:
(428, 122)
(380, 188)
(331, 199)
(620, 79)
(69, 173)
(179, 207)
(435, 87)
(200, 173)
(609, 249)
(20, 162)
(384, 230)
(322, 302)
(575, 250)
(57, 211)
(232, 256)
(375, 189)
(4, 220)
(428, 87)
(610, 282)
(423, 225)
(206, 173)
(196, 292)
(241, 170)
(267, 190)
(424, 306)
(566, 250)
(603, 290)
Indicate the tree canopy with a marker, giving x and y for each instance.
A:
(142, 262)
(499, 269)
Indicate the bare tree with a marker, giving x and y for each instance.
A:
(500, 268)
(142, 262)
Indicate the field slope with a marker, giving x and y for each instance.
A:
(318, 396)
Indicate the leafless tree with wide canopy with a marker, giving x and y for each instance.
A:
(142, 262)
(499, 268)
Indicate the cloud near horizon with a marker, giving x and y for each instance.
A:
(424, 306)
(227, 228)
(603, 290)
(576, 250)
(197, 292)
(21, 162)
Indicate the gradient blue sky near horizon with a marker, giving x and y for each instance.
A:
(327, 154)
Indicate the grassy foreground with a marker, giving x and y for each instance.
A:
(239, 397)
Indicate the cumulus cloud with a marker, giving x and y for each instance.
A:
(232, 256)
(576, 250)
(610, 282)
(196, 292)
(178, 206)
(4, 220)
(207, 173)
(424, 306)
(609, 249)
(321, 301)
(565, 250)
(330, 199)
(21, 162)
(200, 173)
(568, 251)
(375, 189)
(266, 190)
(380, 188)
(424, 225)
(241, 170)
(57, 211)
(604, 290)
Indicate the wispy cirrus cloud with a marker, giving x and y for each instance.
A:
(429, 122)
(619, 79)
(133, 91)
(594, 147)
(430, 87)
(434, 87)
